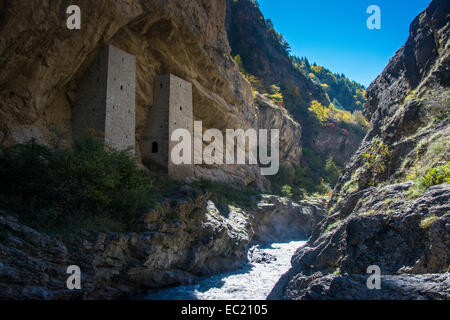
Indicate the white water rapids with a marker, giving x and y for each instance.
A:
(254, 281)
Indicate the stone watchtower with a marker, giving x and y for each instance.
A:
(105, 100)
(172, 109)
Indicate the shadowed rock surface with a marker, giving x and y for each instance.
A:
(398, 287)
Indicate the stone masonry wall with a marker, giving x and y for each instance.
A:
(180, 117)
(155, 147)
(172, 109)
(105, 100)
(89, 113)
(120, 100)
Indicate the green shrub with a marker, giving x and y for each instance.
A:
(315, 176)
(378, 160)
(55, 187)
(432, 177)
(240, 64)
(287, 191)
(437, 175)
(332, 172)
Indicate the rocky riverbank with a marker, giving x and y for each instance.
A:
(182, 239)
(251, 281)
(385, 229)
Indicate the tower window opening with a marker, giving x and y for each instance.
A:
(155, 147)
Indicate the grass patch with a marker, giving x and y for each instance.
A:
(350, 186)
(388, 201)
(437, 175)
(337, 272)
(432, 177)
(429, 152)
(428, 221)
(334, 225)
(415, 191)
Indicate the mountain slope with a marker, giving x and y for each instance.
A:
(344, 93)
(391, 206)
(329, 135)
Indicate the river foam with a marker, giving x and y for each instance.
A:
(254, 281)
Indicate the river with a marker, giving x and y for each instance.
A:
(254, 281)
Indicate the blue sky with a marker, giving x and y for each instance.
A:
(334, 34)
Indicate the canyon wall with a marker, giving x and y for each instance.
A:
(186, 237)
(255, 41)
(391, 206)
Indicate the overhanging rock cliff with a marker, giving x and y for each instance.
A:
(42, 63)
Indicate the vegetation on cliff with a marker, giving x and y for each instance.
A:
(321, 102)
(343, 93)
(86, 184)
(91, 187)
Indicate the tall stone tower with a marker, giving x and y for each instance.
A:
(105, 104)
(172, 109)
